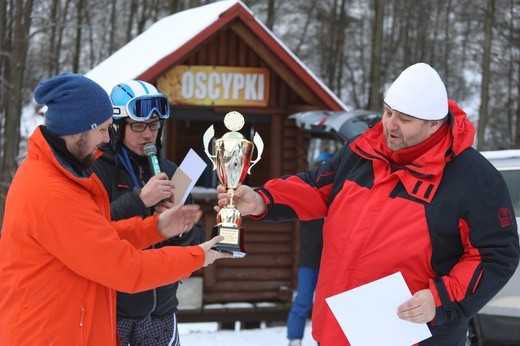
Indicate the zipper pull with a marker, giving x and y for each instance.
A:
(82, 314)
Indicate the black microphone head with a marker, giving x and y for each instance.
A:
(149, 149)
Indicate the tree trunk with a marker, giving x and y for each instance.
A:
(270, 14)
(517, 134)
(4, 70)
(53, 52)
(486, 63)
(303, 35)
(13, 109)
(4, 47)
(113, 27)
(130, 18)
(77, 47)
(374, 96)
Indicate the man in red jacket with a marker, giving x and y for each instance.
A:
(409, 195)
(61, 258)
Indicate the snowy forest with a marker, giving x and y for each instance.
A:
(356, 47)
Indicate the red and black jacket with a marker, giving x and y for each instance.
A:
(445, 221)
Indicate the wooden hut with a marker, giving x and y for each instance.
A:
(211, 60)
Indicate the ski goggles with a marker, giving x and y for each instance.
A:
(144, 107)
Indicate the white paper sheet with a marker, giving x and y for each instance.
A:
(368, 314)
(193, 165)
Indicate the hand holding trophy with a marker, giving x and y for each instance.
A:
(232, 158)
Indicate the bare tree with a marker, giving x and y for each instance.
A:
(486, 62)
(270, 14)
(113, 27)
(374, 96)
(515, 68)
(13, 73)
(54, 40)
(131, 15)
(80, 13)
(517, 113)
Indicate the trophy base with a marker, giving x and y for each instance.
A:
(233, 240)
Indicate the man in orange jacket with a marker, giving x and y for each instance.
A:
(61, 258)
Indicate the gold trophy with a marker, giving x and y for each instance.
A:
(232, 160)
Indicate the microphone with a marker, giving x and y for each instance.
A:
(151, 152)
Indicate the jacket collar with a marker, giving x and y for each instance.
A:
(50, 149)
(422, 176)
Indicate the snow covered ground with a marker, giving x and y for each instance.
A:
(202, 334)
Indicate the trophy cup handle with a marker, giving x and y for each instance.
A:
(208, 135)
(257, 140)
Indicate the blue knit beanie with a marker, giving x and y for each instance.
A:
(75, 103)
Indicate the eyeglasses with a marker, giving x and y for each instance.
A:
(140, 126)
(144, 107)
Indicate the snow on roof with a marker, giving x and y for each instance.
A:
(162, 38)
(168, 35)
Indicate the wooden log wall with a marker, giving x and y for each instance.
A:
(268, 272)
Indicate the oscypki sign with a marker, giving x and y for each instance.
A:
(216, 85)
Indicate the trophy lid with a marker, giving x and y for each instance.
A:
(234, 121)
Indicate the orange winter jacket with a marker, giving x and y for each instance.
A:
(62, 259)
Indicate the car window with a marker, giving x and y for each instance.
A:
(512, 178)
